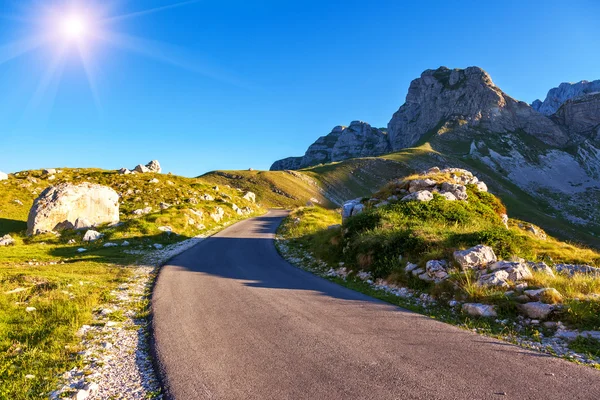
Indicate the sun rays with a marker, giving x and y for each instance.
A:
(78, 31)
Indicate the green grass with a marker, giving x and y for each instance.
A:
(382, 240)
(65, 286)
(274, 189)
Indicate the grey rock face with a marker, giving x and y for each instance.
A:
(565, 91)
(62, 205)
(581, 116)
(445, 99)
(357, 140)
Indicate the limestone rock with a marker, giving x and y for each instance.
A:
(517, 271)
(6, 240)
(92, 236)
(437, 270)
(124, 171)
(251, 197)
(497, 278)
(422, 195)
(536, 310)
(142, 169)
(475, 257)
(154, 166)
(65, 203)
(459, 191)
(421, 184)
(218, 215)
(541, 267)
(479, 310)
(3, 176)
(570, 269)
(348, 207)
(545, 295)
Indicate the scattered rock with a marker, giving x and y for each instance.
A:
(142, 211)
(154, 180)
(252, 197)
(82, 223)
(479, 310)
(30, 309)
(475, 257)
(81, 250)
(218, 215)
(154, 166)
(517, 271)
(571, 269)
(437, 270)
(124, 171)
(157, 246)
(481, 186)
(164, 206)
(418, 185)
(348, 207)
(422, 195)
(109, 244)
(459, 191)
(142, 169)
(545, 295)
(65, 203)
(91, 236)
(497, 278)
(536, 310)
(7, 240)
(541, 267)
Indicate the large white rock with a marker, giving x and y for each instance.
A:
(479, 310)
(3, 176)
(62, 205)
(347, 208)
(475, 257)
(218, 215)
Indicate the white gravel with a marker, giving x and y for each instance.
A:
(117, 361)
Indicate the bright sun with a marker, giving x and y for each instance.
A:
(74, 27)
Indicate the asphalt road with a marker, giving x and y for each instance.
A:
(233, 320)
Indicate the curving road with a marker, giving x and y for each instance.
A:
(233, 320)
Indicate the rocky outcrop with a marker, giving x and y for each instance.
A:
(444, 99)
(565, 91)
(3, 176)
(581, 116)
(60, 207)
(152, 166)
(357, 140)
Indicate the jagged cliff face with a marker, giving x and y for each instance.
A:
(357, 140)
(469, 99)
(565, 91)
(581, 116)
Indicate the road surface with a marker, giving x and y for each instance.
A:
(233, 320)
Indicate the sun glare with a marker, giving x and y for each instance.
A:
(74, 27)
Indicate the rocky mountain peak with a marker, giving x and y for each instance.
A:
(357, 140)
(471, 99)
(557, 96)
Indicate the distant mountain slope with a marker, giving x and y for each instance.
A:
(565, 91)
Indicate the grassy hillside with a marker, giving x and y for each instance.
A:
(381, 241)
(360, 177)
(48, 289)
(277, 189)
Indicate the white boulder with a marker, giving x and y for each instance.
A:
(91, 236)
(6, 240)
(64, 204)
(475, 257)
(252, 197)
(3, 176)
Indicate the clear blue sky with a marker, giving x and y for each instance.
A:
(238, 84)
